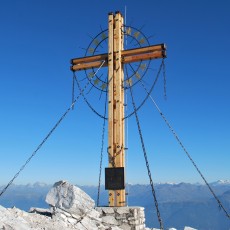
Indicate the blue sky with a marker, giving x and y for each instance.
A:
(38, 38)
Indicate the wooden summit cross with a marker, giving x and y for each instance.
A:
(114, 59)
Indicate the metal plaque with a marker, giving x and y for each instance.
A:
(114, 178)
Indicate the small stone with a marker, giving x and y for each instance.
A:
(63, 217)
(140, 227)
(125, 227)
(72, 221)
(109, 220)
(94, 214)
(77, 217)
(115, 228)
(123, 210)
(88, 223)
(121, 217)
(131, 218)
(63, 212)
(79, 226)
(134, 222)
(107, 210)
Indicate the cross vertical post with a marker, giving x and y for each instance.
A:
(116, 103)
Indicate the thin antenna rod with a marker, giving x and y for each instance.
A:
(125, 15)
(125, 25)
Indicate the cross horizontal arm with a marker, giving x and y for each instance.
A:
(95, 64)
(147, 49)
(99, 57)
(128, 56)
(145, 56)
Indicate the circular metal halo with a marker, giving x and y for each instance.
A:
(103, 35)
(92, 49)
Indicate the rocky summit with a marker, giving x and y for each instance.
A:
(72, 208)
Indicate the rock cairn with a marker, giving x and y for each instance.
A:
(71, 208)
(127, 218)
(70, 204)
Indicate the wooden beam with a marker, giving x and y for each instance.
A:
(118, 141)
(100, 57)
(133, 55)
(89, 65)
(146, 56)
(111, 101)
(142, 50)
(124, 53)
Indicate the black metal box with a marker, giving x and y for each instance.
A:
(114, 178)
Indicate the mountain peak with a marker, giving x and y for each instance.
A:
(221, 182)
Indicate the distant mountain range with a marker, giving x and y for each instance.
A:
(180, 204)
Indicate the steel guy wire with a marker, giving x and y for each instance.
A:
(151, 89)
(86, 101)
(101, 155)
(39, 146)
(45, 139)
(185, 150)
(83, 95)
(146, 162)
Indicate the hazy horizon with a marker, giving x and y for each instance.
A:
(102, 185)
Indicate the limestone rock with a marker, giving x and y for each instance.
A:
(69, 198)
(9, 222)
(73, 209)
(109, 220)
(16, 219)
(42, 211)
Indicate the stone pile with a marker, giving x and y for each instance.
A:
(71, 208)
(127, 218)
(71, 205)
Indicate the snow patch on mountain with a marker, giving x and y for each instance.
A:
(221, 182)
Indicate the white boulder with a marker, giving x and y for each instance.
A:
(69, 198)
